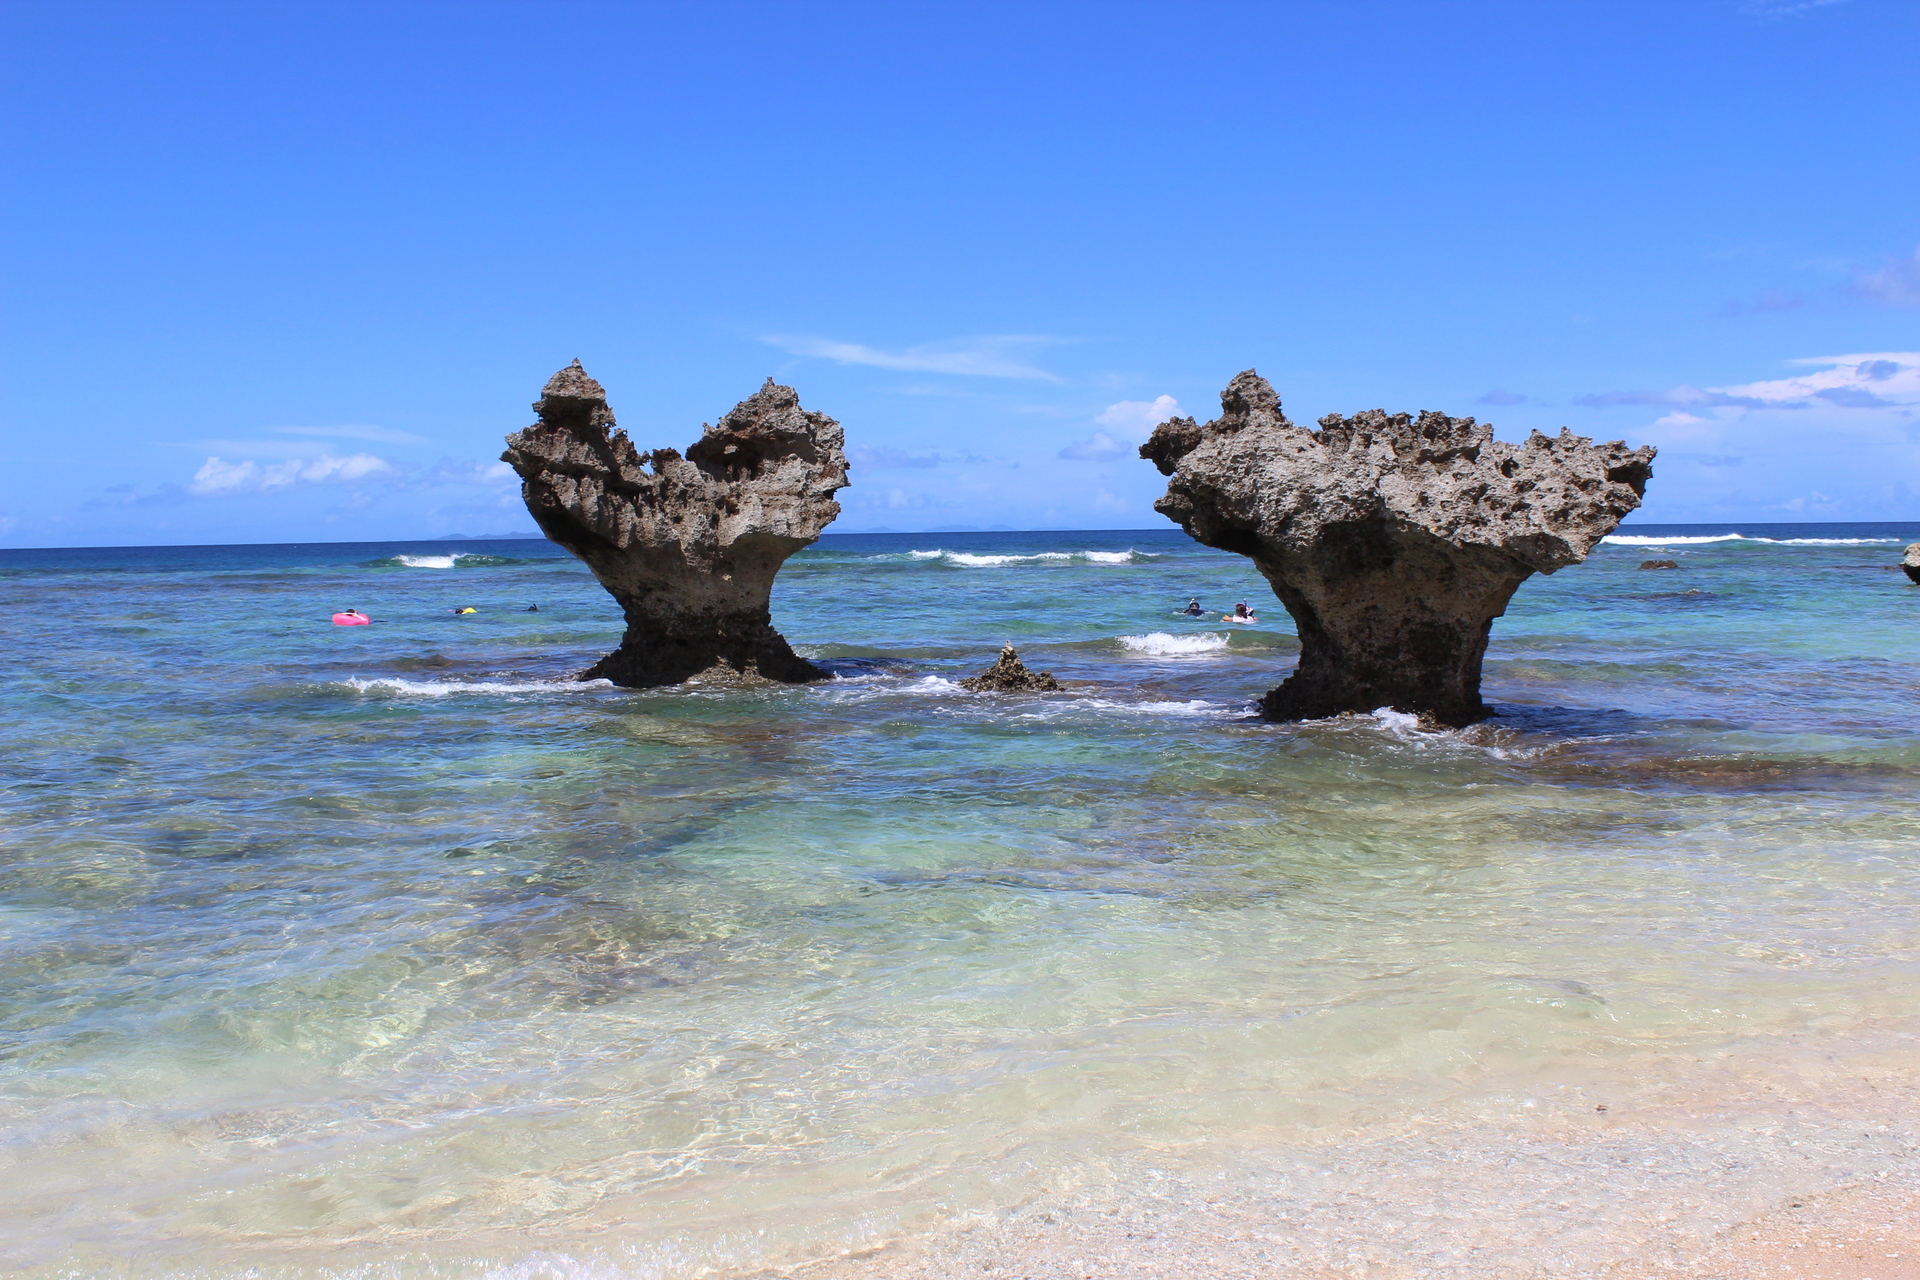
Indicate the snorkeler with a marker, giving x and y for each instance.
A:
(465, 609)
(1193, 609)
(1240, 614)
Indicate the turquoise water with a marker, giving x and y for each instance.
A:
(395, 951)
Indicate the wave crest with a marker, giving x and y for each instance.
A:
(394, 687)
(452, 560)
(1161, 644)
(974, 560)
(1688, 540)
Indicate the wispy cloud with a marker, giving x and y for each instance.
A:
(383, 435)
(1127, 423)
(1783, 8)
(1895, 284)
(987, 356)
(1497, 396)
(1099, 447)
(1883, 379)
(881, 458)
(1769, 301)
(1840, 438)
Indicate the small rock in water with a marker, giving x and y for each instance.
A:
(1659, 564)
(1911, 562)
(1010, 675)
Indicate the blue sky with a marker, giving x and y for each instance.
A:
(285, 272)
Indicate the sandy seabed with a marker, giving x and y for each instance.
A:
(1760, 1186)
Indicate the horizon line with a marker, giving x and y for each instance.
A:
(1727, 525)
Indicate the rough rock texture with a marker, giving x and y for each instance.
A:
(1911, 562)
(1659, 564)
(1010, 675)
(688, 546)
(1394, 541)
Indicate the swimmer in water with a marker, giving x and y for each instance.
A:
(1240, 614)
(467, 609)
(1193, 609)
(533, 608)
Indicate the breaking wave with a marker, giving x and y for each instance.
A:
(452, 560)
(1161, 644)
(394, 687)
(1647, 540)
(969, 560)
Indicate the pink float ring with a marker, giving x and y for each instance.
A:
(351, 619)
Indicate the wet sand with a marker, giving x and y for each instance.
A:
(1497, 1204)
(1861, 1233)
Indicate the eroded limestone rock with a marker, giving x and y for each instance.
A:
(1659, 564)
(1394, 541)
(1911, 562)
(1010, 675)
(688, 546)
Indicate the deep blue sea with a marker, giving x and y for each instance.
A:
(397, 951)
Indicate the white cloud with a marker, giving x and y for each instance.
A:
(988, 356)
(1128, 423)
(220, 478)
(1138, 418)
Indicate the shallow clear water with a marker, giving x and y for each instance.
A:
(394, 951)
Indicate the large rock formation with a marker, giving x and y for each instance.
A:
(1394, 541)
(1911, 562)
(689, 547)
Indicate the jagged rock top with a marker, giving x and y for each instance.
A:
(1010, 675)
(767, 467)
(1912, 558)
(1252, 474)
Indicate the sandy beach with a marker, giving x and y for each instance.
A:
(1498, 1212)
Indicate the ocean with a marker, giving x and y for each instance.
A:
(397, 951)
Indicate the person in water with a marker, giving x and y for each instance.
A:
(465, 609)
(1193, 609)
(1240, 614)
(533, 608)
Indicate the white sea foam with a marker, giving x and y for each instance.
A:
(1161, 644)
(430, 562)
(973, 560)
(1192, 707)
(993, 562)
(1057, 709)
(873, 683)
(394, 686)
(1646, 540)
